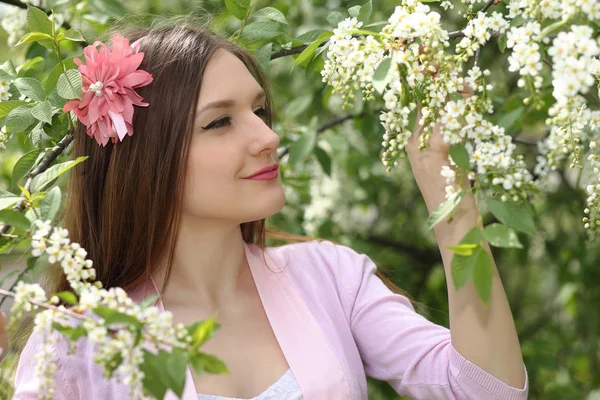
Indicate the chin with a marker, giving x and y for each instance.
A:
(266, 207)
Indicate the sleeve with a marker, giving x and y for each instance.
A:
(27, 384)
(397, 345)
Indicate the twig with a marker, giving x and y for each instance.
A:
(477, 53)
(46, 306)
(41, 167)
(489, 4)
(328, 125)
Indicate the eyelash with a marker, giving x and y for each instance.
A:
(261, 112)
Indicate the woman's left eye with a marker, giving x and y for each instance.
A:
(261, 112)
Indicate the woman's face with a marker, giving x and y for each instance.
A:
(230, 142)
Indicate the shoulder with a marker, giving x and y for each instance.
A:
(323, 266)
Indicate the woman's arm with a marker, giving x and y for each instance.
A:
(486, 336)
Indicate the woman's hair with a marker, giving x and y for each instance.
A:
(124, 201)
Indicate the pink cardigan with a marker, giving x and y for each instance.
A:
(336, 323)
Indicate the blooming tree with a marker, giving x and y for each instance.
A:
(412, 66)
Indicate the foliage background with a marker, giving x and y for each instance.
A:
(337, 189)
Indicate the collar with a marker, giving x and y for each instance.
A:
(302, 341)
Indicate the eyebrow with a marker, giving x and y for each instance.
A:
(227, 103)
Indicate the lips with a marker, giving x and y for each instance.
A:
(270, 168)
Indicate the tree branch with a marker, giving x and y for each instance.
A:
(330, 124)
(41, 167)
(70, 313)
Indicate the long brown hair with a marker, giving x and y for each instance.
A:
(124, 201)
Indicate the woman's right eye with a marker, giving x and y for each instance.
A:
(218, 123)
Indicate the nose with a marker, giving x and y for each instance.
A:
(264, 141)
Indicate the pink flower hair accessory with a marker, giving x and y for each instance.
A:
(109, 78)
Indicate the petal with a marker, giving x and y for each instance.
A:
(71, 105)
(118, 124)
(136, 79)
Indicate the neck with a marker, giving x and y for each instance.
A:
(209, 266)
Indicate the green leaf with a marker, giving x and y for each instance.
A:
(74, 35)
(34, 37)
(302, 147)
(263, 30)
(324, 160)
(51, 204)
(298, 105)
(461, 268)
(36, 135)
(43, 112)
(263, 55)
(201, 331)
(114, 317)
(502, 43)
(335, 18)
(465, 249)
(41, 181)
(31, 88)
(6, 193)
(501, 236)
(513, 215)
(14, 218)
(311, 36)
(238, 8)
(19, 119)
(57, 128)
(111, 8)
(483, 274)
(6, 202)
(272, 14)
(308, 53)
(443, 210)
(365, 11)
(163, 371)
(382, 75)
(508, 119)
(7, 106)
(33, 64)
(67, 297)
(73, 333)
(55, 73)
(202, 362)
(69, 85)
(38, 21)
(460, 155)
(353, 11)
(7, 68)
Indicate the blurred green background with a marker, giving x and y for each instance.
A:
(337, 189)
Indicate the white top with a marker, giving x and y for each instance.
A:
(286, 388)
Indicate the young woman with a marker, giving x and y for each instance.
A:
(179, 209)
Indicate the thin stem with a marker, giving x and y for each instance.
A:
(489, 4)
(47, 306)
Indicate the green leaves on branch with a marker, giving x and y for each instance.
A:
(307, 55)
(164, 371)
(501, 236)
(382, 75)
(271, 14)
(38, 21)
(513, 215)
(302, 147)
(44, 179)
(31, 88)
(471, 261)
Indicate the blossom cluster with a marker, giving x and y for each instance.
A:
(119, 351)
(525, 57)
(555, 9)
(3, 138)
(479, 31)
(5, 90)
